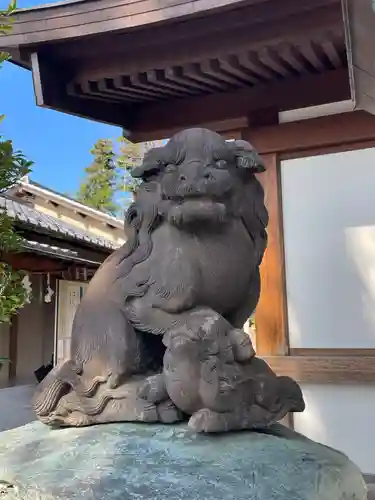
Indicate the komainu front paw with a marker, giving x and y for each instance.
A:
(241, 344)
(153, 389)
(206, 420)
(168, 412)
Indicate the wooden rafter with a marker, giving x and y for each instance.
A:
(345, 369)
(77, 19)
(154, 121)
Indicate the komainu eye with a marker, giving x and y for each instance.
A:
(220, 163)
(170, 168)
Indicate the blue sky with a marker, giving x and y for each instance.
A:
(58, 143)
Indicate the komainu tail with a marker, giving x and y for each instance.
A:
(53, 387)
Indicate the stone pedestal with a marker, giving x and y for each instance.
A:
(133, 461)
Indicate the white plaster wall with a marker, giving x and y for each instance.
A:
(88, 223)
(329, 227)
(341, 417)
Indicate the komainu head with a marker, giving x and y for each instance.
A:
(200, 172)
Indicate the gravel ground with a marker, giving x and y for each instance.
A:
(371, 492)
(15, 407)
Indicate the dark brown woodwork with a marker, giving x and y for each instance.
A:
(303, 139)
(232, 134)
(332, 50)
(34, 263)
(60, 22)
(50, 92)
(39, 263)
(271, 312)
(243, 56)
(83, 251)
(326, 366)
(325, 369)
(155, 120)
(211, 72)
(183, 31)
(332, 352)
(346, 131)
(217, 69)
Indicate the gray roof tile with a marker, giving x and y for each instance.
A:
(56, 251)
(30, 216)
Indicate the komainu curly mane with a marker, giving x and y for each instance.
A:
(140, 220)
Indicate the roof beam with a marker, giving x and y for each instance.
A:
(159, 120)
(67, 20)
(170, 50)
(242, 14)
(50, 82)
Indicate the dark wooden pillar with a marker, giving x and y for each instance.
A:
(271, 312)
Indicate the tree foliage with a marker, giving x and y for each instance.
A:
(130, 155)
(6, 24)
(109, 176)
(13, 166)
(100, 183)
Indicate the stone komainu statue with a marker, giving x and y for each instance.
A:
(158, 335)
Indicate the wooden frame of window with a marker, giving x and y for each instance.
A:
(337, 133)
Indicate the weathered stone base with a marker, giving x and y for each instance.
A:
(134, 461)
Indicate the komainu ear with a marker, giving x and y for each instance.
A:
(247, 157)
(152, 164)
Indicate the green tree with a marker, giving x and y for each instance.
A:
(6, 21)
(109, 176)
(13, 165)
(98, 188)
(130, 155)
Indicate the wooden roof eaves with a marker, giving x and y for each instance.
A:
(232, 110)
(240, 14)
(318, 24)
(49, 6)
(28, 30)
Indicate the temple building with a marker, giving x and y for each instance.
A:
(63, 244)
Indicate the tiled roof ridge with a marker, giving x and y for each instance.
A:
(38, 189)
(30, 216)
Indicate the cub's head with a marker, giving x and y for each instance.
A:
(197, 167)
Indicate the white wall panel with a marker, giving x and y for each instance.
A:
(329, 231)
(341, 417)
